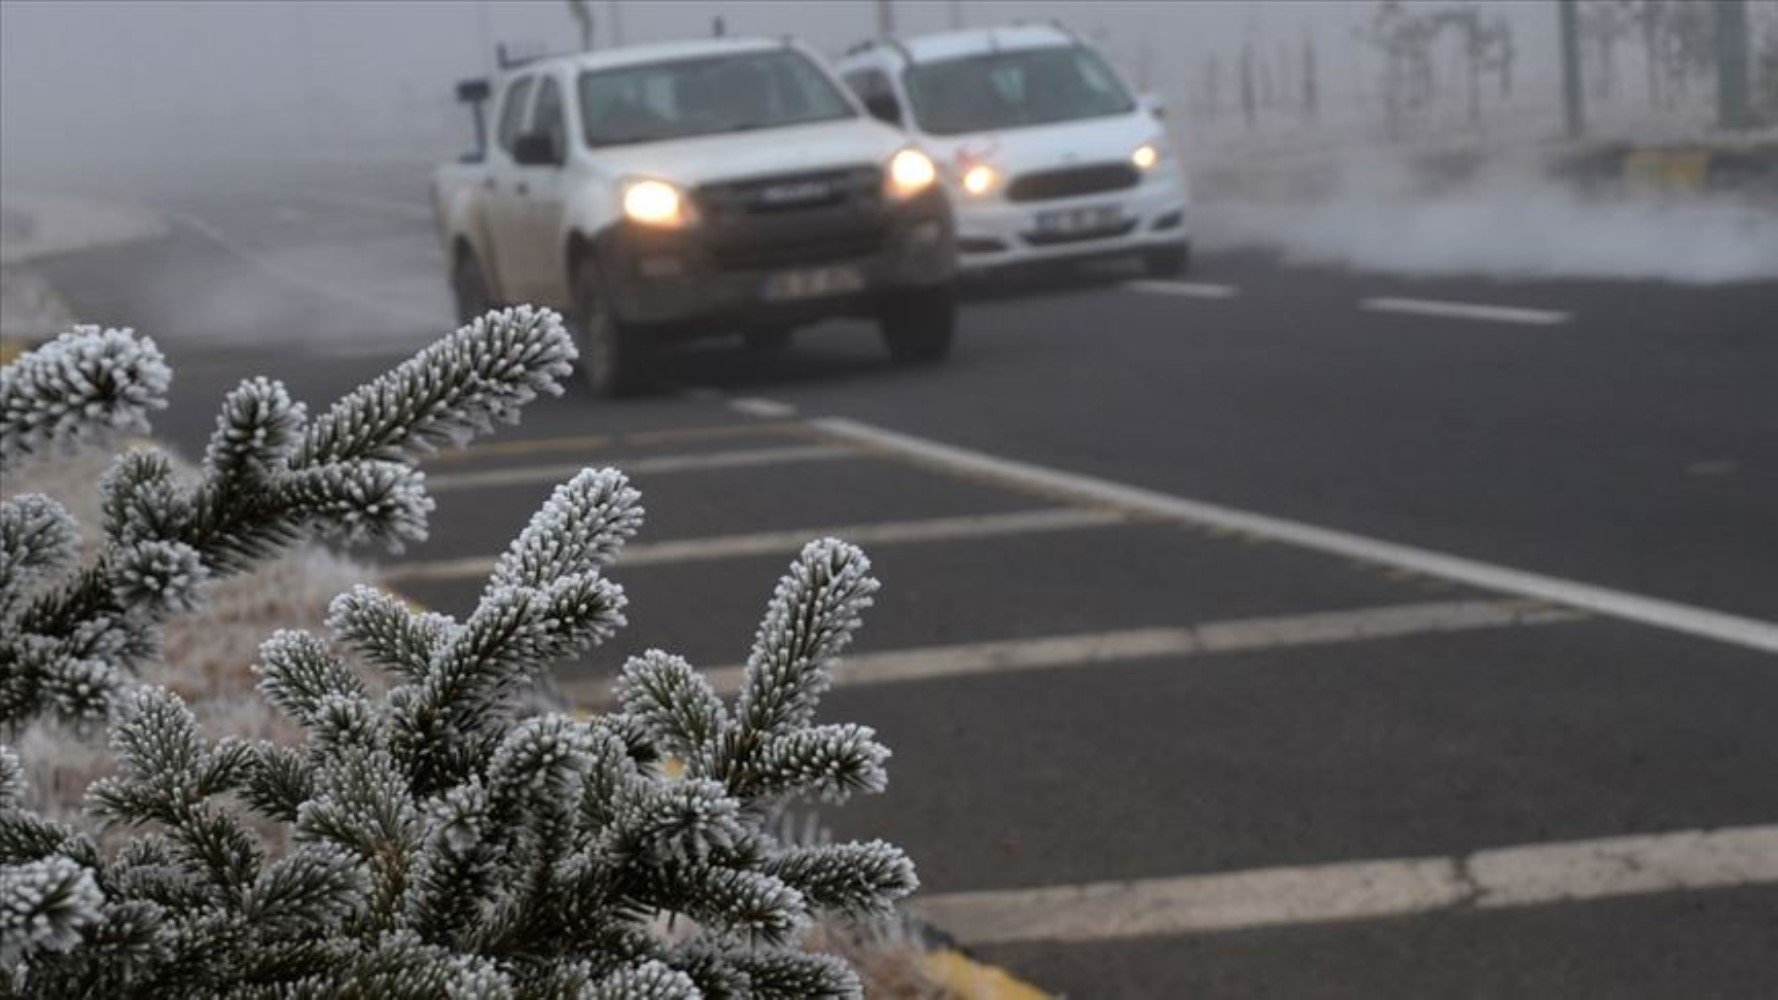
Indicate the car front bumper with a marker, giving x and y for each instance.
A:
(993, 232)
(716, 279)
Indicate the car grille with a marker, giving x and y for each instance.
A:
(790, 219)
(1069, 181)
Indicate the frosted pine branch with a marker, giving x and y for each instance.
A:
(434, 840)
(268, 480)
(79, 389)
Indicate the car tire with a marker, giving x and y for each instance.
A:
(616, 358)
(767, 339)
(919, 324)
(469, 288)
(1168, 262)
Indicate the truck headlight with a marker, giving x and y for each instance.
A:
(1146, 156)
(979, 179)
(655, 203)
(910, 172)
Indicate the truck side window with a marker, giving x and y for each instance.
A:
(548, 119)
(512, 111)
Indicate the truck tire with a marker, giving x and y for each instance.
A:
(616, 358)
(1168, 262)
(469, 288)
(919, 324)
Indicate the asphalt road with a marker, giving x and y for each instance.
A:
(1134, 747)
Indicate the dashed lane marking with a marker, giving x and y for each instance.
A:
(1467, 310)
(648, 465)
(1188, 289)
(1134, 645)
(792, 541)
(1752, 633)
(771, 409)
(1501, 878)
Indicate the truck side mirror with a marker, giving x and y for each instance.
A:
(1153, 104)
(536, 149)
(884, 108)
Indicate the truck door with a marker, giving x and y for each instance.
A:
(505, 212)
(544, 268)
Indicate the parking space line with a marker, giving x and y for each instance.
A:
(1188, 289)
(1467, 310)
(1669, 615)
(601, 442)
(1502, 878)
(789, 542)
(771, 409)
(1135, 645)
(644, 466)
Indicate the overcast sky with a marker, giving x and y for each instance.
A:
(82, 79)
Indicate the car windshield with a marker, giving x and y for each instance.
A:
(730, 93)
(999, 90)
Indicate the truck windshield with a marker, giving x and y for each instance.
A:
(998, 90)
(729, 93)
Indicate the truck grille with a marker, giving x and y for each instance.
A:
(791, 193)
(790, 219)
(1069, 181)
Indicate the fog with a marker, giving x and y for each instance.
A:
(135, 100)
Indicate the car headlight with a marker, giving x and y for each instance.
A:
(655, 203)
(910, 172)
(1146, 156)
(979, 179)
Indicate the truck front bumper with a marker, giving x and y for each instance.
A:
(708, 279)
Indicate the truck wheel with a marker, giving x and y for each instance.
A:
(616, 358)
(919, 324)
(1169, 262)
(469, 288)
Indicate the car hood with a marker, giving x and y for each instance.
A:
(1042, 147)
(756, 153)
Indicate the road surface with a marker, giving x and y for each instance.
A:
(1286, 631)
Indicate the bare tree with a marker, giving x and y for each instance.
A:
(582, 12)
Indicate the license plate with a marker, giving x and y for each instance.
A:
(812, 282)
(1079, 220)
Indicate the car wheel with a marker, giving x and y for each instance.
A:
(1168, 262)
(469, 288)
(616, 358)
(920, 323)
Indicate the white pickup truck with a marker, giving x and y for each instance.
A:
(664, 192)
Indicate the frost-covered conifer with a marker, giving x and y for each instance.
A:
(444, 842)
(68, 634)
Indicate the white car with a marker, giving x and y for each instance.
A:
(1045, 150)
(664, 192)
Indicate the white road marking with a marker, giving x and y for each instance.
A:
(1529, 875)
(771, 409)
(1736, 630)
(772, 542)
(1189, 289)
(1134, 645)
(649, 465)
(1467, 310)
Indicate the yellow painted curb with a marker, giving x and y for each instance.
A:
(1655, 170)
(971, 980)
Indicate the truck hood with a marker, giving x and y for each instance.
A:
(738, 155)
(1042, 147)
